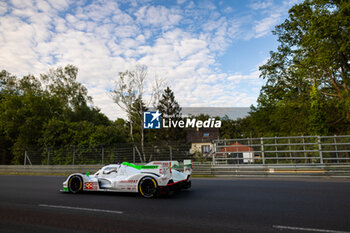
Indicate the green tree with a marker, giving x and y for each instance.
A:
(24, 107)
(62, 83)
(108, 135)
(170, 109)
(239, 128)
(50, 111)
(316, 118)
(127, 94)
(313, 57)
(91, 114)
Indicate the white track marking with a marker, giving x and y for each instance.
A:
(79, 208)
(307, 229)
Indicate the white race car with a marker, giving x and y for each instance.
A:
(157, 177)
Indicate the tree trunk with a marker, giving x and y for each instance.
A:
(142, 134)
(143, 144)
(133, 140)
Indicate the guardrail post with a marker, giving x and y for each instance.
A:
(25, 158)
(48, 156)
(304, 149)
(262, 150)
(214, 148)
(290, 151)
(250, 155)
(336, 148)
(73, 155)
(276, 153)
(103, 155)
(320, 149)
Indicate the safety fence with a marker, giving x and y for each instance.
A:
(296, 150)
(200, 169)
(283, 150)
(78, 155)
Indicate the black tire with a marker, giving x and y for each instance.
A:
(75, 184)
(148, 187)
(188, 185)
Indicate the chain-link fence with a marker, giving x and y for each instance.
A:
(74, 155)
(266, 150)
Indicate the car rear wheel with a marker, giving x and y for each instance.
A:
(148, 187)
(187, 185)
(75, 184)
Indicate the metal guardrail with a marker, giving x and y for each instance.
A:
(283, 150)
(299, 150)
(252, 170)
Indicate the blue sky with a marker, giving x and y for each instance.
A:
(207, 51)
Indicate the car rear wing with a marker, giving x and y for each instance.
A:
(186, 166)
(165, 167)
(160, 167)
(157, 167)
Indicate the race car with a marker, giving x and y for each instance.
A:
(152, 179)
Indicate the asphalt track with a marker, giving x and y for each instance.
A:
(34, 204)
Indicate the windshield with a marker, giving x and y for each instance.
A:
(109, 170)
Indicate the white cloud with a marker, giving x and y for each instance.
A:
(239, 77)
(208, 5)
(101, 39)
(59, 4)
(43, 6)
(22, 3)
(3, 8)
(158, 16)
(258, 5)
(264, 26)
(272, 16)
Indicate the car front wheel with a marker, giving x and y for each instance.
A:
(148, 187)
(75, 184)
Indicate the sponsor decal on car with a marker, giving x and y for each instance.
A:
(91, 186)
(160, 163)
(128, 181)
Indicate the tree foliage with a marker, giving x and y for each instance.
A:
(170, 109)
(129, 95)
(50, 111)
(307, 78)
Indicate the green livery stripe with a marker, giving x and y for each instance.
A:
(139, 167)
(131, 165)
(182, 166)
(65, 189)
(149, 167)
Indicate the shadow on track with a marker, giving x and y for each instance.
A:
(183, 194)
